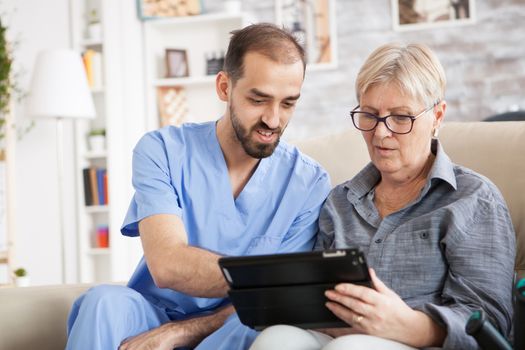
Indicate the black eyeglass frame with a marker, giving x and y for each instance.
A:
(383, 119)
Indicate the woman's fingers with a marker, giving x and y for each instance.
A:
(377, 283)
(363, 293)
(351, 303)
(350, 317)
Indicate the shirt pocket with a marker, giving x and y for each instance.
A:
(264, 245)
(418, 266)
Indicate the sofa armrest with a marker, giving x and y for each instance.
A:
(35, 317)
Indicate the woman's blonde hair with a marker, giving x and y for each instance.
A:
(413, 67)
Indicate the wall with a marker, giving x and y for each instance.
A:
(36, 25)
(484, 62)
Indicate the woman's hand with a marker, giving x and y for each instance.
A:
(381, 312)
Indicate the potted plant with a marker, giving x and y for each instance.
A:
(8, 87)
(97, 140)
(6, 81)
(21, 277)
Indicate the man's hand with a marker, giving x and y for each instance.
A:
(162, 338)
(381, 312)
(170, 335)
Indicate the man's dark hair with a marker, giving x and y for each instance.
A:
(266, 39)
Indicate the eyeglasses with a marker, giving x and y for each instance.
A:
(396, 123)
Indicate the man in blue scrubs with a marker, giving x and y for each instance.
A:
(206, 190)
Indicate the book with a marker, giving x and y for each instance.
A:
(106, 186)
(94, 68)
(100, 186)
(94, 185)
(102, 237)
(88, 196)
(96, 71)
(87, 57)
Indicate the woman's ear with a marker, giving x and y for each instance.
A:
(222, 86)
(439, 113)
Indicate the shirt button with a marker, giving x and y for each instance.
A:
(379, 240)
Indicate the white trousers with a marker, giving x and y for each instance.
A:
(284, 337)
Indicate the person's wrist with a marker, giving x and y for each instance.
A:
(422, 330)
(190, 332)
(174, 333)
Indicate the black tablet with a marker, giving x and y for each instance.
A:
(289, 288)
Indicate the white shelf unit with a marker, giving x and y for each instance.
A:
(201, 36)
(112, 103)
(95, 154)
(92, 42)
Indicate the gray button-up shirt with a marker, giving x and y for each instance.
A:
(449, 252)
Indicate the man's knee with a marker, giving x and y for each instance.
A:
(109, 297)
(105, 315)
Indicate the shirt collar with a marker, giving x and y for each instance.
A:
(442, 168)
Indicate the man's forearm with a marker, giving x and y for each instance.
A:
(196, 272)
(176, 265)
(192, 331)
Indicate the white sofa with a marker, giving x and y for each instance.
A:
(35, 317)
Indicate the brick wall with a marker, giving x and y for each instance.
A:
(484, 61)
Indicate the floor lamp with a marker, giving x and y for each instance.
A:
(60, 90)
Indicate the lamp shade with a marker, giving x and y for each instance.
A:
(59, 86)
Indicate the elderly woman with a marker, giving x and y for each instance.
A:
(438, 236)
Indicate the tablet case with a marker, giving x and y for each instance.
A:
(289, 288)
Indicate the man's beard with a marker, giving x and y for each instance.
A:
(253, 148)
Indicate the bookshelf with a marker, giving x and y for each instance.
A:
(192, 98)
(103, 254)
(133, 56)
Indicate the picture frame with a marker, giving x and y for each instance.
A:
(152, 9)
(176, 63)
(172, 105)
(424, 14)
(313, 22)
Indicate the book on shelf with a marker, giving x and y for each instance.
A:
(106, 198)
(102, 237)
(88, 196)
(93, 66)
(95, 186)
(100, 186)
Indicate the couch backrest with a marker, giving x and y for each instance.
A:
(496, 150)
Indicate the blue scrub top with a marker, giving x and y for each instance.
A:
(182, 171)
